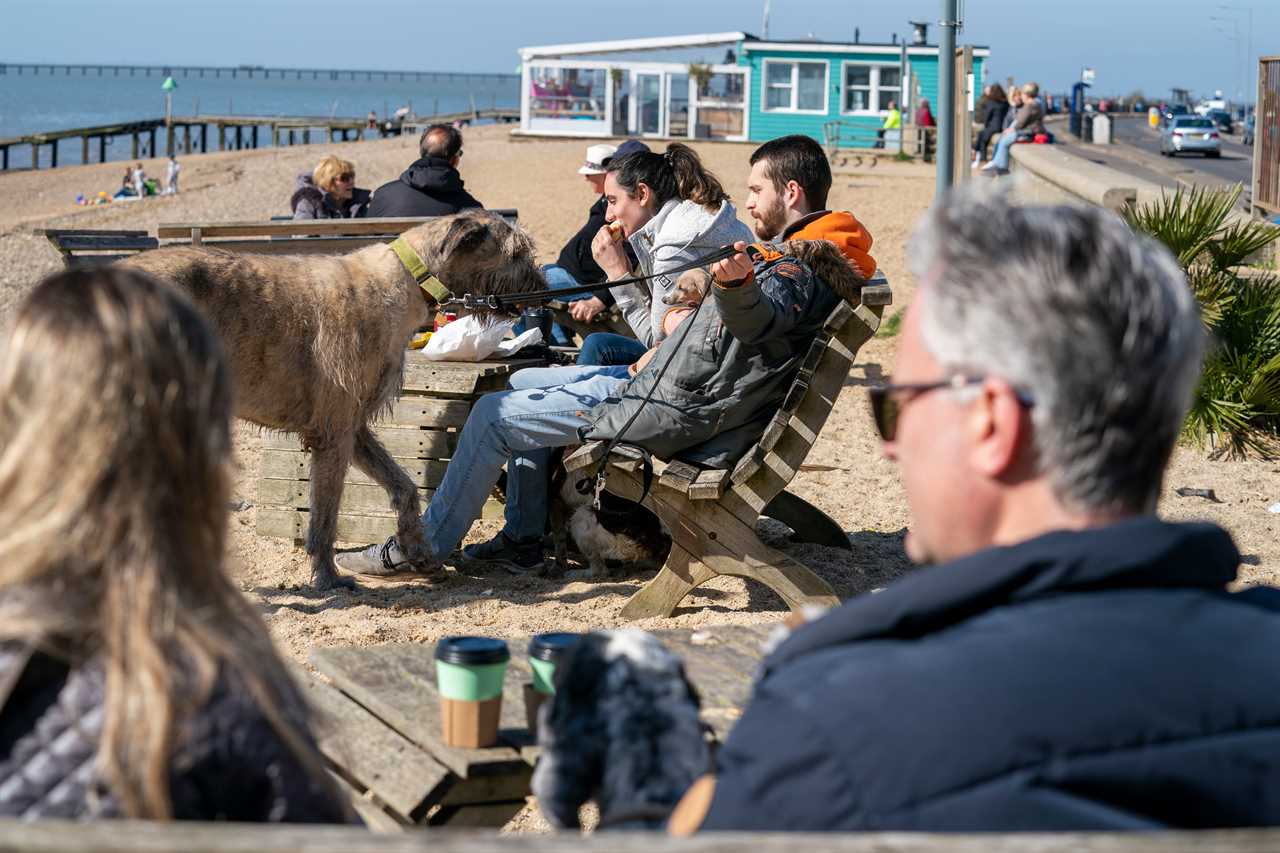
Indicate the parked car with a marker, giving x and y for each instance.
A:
(1222, 119)
(1191, 133)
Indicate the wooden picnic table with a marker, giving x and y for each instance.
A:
(420, 433)
(380, 728)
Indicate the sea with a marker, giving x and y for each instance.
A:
(35, 103)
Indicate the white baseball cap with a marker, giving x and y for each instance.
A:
(596, 155)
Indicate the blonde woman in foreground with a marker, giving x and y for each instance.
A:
(135, 680)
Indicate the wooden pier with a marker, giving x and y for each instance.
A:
(187, 134)
(251, 72)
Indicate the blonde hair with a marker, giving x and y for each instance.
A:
(115, 411)
(328, 170)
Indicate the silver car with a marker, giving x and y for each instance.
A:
(1190, 133)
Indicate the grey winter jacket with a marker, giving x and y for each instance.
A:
(680, 232)
(228, 762)
(732, 371)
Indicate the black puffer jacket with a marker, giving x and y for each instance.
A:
(229, 764)
(429, 187)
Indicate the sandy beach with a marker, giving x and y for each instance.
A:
(845, 474)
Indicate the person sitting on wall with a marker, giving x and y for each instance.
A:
(329, 192)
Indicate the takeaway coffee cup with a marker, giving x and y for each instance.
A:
(545, 651)
(470, 672)
(539, 318)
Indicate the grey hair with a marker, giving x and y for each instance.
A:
(1095, 322)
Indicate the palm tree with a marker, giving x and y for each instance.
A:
(1236, 409)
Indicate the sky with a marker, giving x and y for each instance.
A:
(1132, 44)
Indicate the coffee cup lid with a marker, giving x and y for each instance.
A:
(472, 651)
(549, 647)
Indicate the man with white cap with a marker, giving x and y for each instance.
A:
(576, 265)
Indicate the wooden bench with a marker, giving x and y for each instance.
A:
(87, 247)
(711, 514)
(136, 836)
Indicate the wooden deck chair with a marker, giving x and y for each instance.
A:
(711, 513)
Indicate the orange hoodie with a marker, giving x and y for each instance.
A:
(842, 228)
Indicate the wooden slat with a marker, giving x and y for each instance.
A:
(397, 683)
(710, 485)
(61, 232)
(294, 246)
(356, 499)
(398, 773)
(128, 836)
(585, 456)
(104, 242)
(422, 376)
(296, 465)
(399, 441)
(417, 410)
(878, 294)
(323, 227)
(281, 523)
(679, 476)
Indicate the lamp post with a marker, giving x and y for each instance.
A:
(167, 87)
(947, 95)
(1234, 36)
(1250, 68)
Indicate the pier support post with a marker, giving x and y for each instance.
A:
(133, 151)
(306, 136)
(290, 136)
(53, 153)
(253, 143)
(204, 139)
(102, 149)
(151, 144)
(4, 158)
(168, 141)
(35, 156)
(239, 142)
(222, 137)
(84, 150)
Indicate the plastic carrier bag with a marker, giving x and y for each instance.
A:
(467, 339)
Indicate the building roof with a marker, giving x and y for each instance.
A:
(633, 45)
(816, 46)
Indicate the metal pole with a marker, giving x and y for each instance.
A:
(947, 96)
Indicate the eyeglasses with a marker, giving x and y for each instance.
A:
(888, 401)
(347, 177)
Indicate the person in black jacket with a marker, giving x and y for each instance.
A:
(431, 186)
(1072, 662)
(135, 678)
(993, 110)
(576, 265)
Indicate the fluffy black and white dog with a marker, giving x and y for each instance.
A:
(622, 729)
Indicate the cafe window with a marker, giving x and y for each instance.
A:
(869, 88)
(797, 87)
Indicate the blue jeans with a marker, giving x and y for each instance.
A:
(609, 348)
(1003, 144)
(518, 428)
(558, 278)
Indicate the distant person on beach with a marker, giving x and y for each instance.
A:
(992, 111)
(924, 115)
(171, 176)
(431, 186)
(372, 122)
(329, 192)
(135, 678)
(139, 181)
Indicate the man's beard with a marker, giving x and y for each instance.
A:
(770, 223)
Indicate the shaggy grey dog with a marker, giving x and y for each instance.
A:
(317, 346)
(622, 729)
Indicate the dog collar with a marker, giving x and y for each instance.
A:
(430, 285)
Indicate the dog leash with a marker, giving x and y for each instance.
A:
(472, 302)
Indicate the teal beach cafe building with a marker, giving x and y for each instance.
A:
(738, 88)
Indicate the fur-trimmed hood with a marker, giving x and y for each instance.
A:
(825, 260)
(844, 231)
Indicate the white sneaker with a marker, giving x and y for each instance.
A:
(376, 560)
(991, 164)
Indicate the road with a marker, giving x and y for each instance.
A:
(1235, 166)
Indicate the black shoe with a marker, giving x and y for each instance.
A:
(518, 558)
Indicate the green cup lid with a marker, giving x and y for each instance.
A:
(549, 647)
(472, 651)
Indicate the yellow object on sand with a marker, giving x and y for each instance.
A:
(419, 340)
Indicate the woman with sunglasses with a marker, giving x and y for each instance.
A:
(329, 192)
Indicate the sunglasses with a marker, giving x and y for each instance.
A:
(346, 177)
(888, 401)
